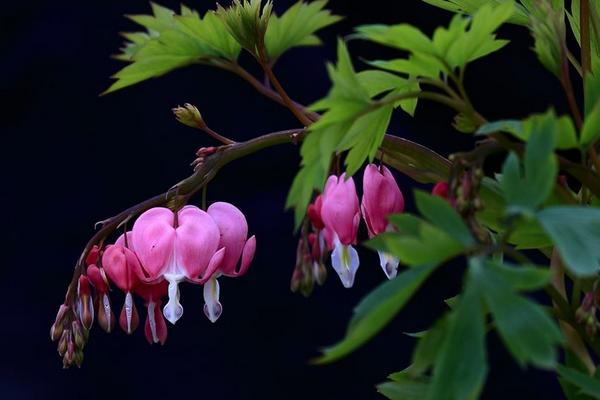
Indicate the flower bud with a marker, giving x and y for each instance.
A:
(188, 115)
(62, 343)
(85, 304)
(78, 334)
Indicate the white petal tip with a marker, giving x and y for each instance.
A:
(213, 312)
(389, 264)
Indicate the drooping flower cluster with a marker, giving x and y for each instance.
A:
(163, 249)
(335, 217)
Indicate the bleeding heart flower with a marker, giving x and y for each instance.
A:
(234, 241)
(106, 318)
(176, 247)
(341, 216)
(381, 198)
(124, 270)
(155, 327)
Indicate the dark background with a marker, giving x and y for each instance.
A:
(71, 158)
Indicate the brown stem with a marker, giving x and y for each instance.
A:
(215, 135)
(584, 30)
(186, 188)
(565, 80)
(263, 89)
(291, 105)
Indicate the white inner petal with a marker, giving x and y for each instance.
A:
(152, 321)
(128, 310)
(212, 306)
(173, 310)
(344, 260)
(389, 264)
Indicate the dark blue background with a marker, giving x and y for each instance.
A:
(71, 158)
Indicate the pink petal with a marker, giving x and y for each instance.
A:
(155, 328)
(97, 278)
(153, 238)
(381, 197)
(129, 318)
(213, 266)
(340, 206)
(197, 240)
(152, 292)
(122, 267)
(233, 230)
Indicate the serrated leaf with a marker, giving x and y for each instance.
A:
(376, 310)
(527, 331)
(526, 190)
(172, 41)
(296, 27)
(403, 37)
(247, 21)
(405, 387)
(574, 231)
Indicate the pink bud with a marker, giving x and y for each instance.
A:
(340, 210)
(129, 318)
(440, 189)
(381, 197)
(314, 213)
(155, 328)
(341, 216)
(93, 255)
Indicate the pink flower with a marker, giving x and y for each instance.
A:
(341, 216)
(381, 197)
(176, 247)
(85, 304)
(155, 328)
(234, 241)
(124, 270)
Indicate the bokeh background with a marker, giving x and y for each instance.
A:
(71, 158)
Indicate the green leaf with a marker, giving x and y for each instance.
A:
(519, 17)
(416, 242)
(376, 310)
(588, 385)
(592, 91)
(247, 21)
(439, 212)
(405, 387)
(364, 138)
(403, 37)
(590, 132)
(171, 42)
(547, 27)
(574, 230)
(522, 277)
(428, 348)
(524, 191)
(296, 27)
(526, 330)
(461, 365)
(563, 128)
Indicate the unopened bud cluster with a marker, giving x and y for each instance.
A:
(587, 314)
